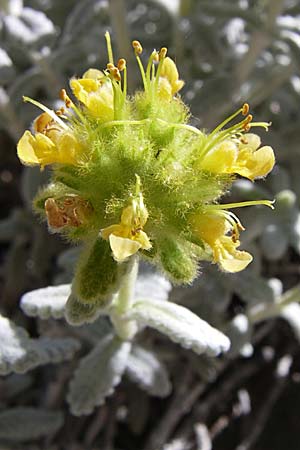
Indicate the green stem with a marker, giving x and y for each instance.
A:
(125, 329)
(126, 293)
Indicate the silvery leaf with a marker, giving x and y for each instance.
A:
(46, 302)
(181, 326)
(23, 424)
(291, 313)
(252, 288)
(148, 372)
(152, 284)
(98, 374)
(19, 353)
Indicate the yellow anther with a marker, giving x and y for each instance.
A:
(137, 47)
(116, 74)
(246, 122)
(245, 109)
(163, 53)
(110, 66)
(121, 64)
(65, 98)
(155, 56)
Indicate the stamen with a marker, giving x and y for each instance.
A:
(109, 48)
(246, 123)
(110, 66)
(65, 98)
(47, 110)
(264, 125)
(226, 121)
(268, 203)
(138, 49)
(162, 53)
(245, 109)
(121, 64)
(155, 56)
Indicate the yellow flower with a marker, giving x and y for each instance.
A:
(50, 144)
(213, 228)
(252, 161)
(243, 157)
(169, 83)
(127, 237)
(95, 91)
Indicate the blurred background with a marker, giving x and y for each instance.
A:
(228, 52)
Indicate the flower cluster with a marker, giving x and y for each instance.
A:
(130, 175)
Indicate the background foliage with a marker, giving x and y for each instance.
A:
(228, 52)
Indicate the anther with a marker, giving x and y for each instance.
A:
(110, 66)
(116, 74)
(137, 47)
(245, 109)
(246, 123)
(65, 98)
(155, 56)
(121, 64)
(162, 53)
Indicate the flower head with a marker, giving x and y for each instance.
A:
(99, 143)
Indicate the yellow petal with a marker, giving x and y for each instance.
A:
(144, 240)
(116, 229)
(249, 140)
(122, 248)
(256, 164)
(26, 151)
(94, 74)
(209, 227)
(220, 159)
(169, 79)
(69, 149)
(228, 257)
(235, 262)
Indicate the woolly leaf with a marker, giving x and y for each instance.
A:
(148, 372)
(252, 288)
(78, 313)
(97, 275)
(24, 424)
(46, 302)
(291, 313)
(181, 326)
(19, 353)
(239, 332)
(177, 260)
(152, 284)
(98, 374)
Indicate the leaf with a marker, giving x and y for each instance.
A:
(19, 353)
(291, 313)
(98, 374)
(55, 350)
(239, 331)
(252, 288)
(152, 284)
(24, 424)
(181, 326)
(78, 313)
(46, 302)
(148, 372)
